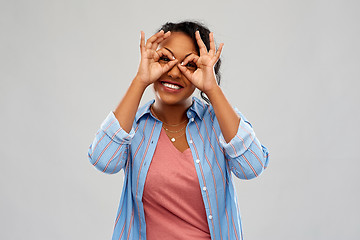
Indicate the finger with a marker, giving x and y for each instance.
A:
(202, 47)
(169, 65)
(156, 56)
(153, 38)
(190, 62)
(218, 53)
(164, 52)
(142, 40)
(155, 45)
(191, 58)
(187, 73)
(212, 44)
(167, 34)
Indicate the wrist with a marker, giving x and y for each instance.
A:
(213, 92)
(139, 82)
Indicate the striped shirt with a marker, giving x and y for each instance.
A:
(114, 149)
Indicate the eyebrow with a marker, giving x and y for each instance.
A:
(174, 54)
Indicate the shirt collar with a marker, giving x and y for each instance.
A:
(198, 107)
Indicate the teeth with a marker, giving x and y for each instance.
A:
(169, 85)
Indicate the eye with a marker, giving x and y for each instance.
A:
(164, 59)
(191, 66)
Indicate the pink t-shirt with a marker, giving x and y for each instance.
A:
(172, 200)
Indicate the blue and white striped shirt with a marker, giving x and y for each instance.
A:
(114, 149)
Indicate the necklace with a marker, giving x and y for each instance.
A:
(166, 129)
(173, 139)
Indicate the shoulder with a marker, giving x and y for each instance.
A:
(204, 110)
(143, 111)
(201, 109)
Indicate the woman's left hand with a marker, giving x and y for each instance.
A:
(204, 76)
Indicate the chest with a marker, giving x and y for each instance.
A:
(179, 142)
(208, 158)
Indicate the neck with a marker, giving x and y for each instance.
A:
(171, 114)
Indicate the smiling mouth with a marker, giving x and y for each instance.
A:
(170, 85)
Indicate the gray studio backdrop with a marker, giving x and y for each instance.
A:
(291, 67)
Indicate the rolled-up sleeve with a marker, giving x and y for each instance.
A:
(109, 150)
(247, 157)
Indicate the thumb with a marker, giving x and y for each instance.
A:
(187, 73)
(170, 65)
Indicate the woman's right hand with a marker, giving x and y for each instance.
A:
(150, 69)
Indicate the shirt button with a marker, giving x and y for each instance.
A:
(192, 119)
(197, 161)
(204, 188)
(210, 217)
(190, 141)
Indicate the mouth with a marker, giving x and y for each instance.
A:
(172, 86)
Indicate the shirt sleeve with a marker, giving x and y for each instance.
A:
(110, 148)
(247, 157)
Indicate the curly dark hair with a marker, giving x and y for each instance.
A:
(189, 28)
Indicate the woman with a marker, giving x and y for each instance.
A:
(178, 152)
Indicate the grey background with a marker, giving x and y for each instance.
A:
(291, 67)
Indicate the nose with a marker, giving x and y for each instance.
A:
(174, 72)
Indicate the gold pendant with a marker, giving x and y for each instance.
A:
(172, 139)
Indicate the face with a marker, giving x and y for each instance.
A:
(173, 87)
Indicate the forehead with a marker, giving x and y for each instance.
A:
(179, 43)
